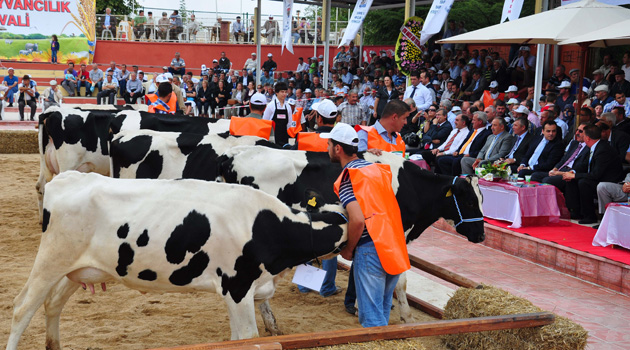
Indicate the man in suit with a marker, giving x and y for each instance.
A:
(438, 131)
(618, 139)
(608, 192)
(477, 86)
(575, 158)
(522, 139)
(603, 166)
(450, 164)
(543, 152)
(497, 145)
(452, 143)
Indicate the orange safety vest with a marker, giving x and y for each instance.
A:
(310, 141)
(376, 141)
(248, 126)
(171, 104)
(372, 186)
(296, 122)
(488, 100)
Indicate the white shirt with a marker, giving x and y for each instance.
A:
(626, 68)
(422, 96)
(563, 126)
(27, 97)
(302, 67)
(271, 110)
(459, 138)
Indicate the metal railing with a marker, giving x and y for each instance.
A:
(207, 28)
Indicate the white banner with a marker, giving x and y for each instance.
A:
(435, 19)
(609, 2)
(511, 10)
(358, 15)
(287, 24)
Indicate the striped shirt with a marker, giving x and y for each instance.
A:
(346, 193)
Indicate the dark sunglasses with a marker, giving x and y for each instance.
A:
(432, 110)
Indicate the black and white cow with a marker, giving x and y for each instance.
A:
(148, 154)
(76, 139)
(167, 236)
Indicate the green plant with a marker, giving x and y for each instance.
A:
(497, 170)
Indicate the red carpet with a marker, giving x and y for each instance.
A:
(569, 235)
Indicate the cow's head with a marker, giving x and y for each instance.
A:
(464, 201)
(331, 218)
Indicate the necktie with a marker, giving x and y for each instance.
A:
(450, 142)
(589, 160)
(413, 92)
(573, 156)
(470, 140)
(518, 140)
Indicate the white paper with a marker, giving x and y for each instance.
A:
(309, 277)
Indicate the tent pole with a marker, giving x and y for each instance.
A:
(583, 64)
(258, 50)
(360, 62)
(326, 21)
(540, 59)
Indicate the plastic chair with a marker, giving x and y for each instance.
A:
(123, 30)
(107, 31)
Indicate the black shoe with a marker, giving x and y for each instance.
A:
(337, 291)
(351, 310)
(10, 105)
(576, 216)
(587, 221)
(596, 227)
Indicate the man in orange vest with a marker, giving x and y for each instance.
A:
(489, 96)
(253, 124)
(326, 115)
(164, 101)
(385, 134)
(376, 240)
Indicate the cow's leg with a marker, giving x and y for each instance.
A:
(53, 305)
(242, 317)
(48, 167)
(31, 297)
(403, 304)
(269, 319)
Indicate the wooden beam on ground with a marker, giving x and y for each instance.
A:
(442, 273)
(360, 335)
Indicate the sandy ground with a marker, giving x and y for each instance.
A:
(125, 319)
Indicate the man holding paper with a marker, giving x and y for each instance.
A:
(376, 240)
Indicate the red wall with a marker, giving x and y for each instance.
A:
(161, 54)
(569, 54)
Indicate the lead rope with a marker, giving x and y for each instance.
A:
(310, 224)
(461, 219)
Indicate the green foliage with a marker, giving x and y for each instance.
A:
(381, 27)
(118, 7)
(497, 170)
(182, 9)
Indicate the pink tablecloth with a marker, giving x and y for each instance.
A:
(536, 205)
(613, 228)
(421, 163)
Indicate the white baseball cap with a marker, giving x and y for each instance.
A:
(269, 55)
(308, 91)
(342, 133)
(356, 78)
(258, 99)
(456, 109)
(585, 89)
(435, 82)
(203, 66)
(512, 88)
(215, 61)
(601, 87)
(522, 109)
(512, 101)
(524, 48)
(168, 75)
(291, 102)
(161, 79)
(564, 85)
(494, 84)
(53, 82)
(326, 108)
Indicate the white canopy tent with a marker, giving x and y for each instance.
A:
(549, 27)
(613, 35)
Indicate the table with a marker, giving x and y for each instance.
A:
(523, 206)
(612, 229)
(421, 163)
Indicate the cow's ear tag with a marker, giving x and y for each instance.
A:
(312, 202)
(449, 193)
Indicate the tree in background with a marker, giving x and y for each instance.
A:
(119, 7)
(182, 9)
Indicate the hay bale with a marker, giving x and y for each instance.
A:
(403, 344)
(490, 301)
(18, 141)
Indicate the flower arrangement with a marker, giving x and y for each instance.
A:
(498, 170)
(408, 55)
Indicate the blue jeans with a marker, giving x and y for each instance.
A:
(351, 291)
(375, 287)
(87, 87)
(328, 287)
(10, 94)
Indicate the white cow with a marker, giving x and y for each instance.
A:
(168, 236)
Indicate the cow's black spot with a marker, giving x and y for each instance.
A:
(189, 236)
(143, 239)
(129, 152)
(188, 141)
(45, 220)
(249, 181)
(123, 231)
(225, 135)
(125, 258)
(194, 269)
(175, 123)
(147, 275)
(151, 166)
(267, 144)
(319, 175)
(219, 272)
(201, 164)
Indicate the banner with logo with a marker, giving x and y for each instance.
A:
(609, 2)
(287, 25)
(511, 10)
(435, 19)
(354, 24)
(27, 26)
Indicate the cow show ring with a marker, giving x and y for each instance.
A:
(122, 318)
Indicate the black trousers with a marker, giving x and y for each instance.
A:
(30, 103)
(132, 100)
(449, 165)
(109, 94)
